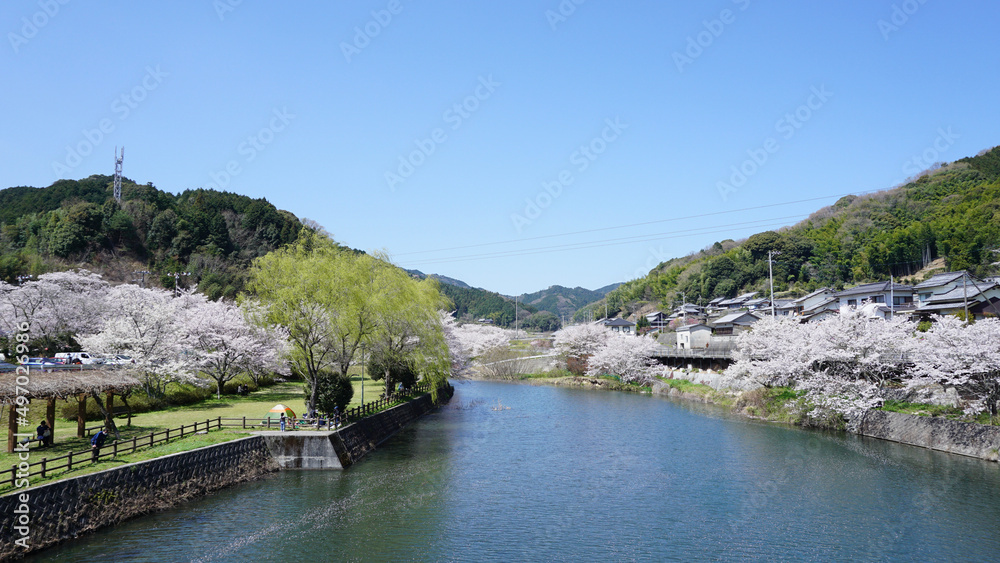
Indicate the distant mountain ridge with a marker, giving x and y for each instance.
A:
(564, 301)
(440, 278)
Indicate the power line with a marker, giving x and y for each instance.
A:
(773, 222)
(586, 231)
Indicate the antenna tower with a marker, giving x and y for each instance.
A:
(118, 174)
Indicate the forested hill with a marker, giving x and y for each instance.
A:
(562, 301)
(474, 304)
(951, 213)
(214, 235)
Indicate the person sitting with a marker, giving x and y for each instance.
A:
(44, 434)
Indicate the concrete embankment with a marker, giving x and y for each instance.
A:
(975, 440)
(71, 507)
(342, 448)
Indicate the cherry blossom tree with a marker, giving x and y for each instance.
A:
(852, 346)
(954, 353)
(776, 351)
(146, 324)
(627, 357)
(56, 306)
(224, 343)
(581, 340)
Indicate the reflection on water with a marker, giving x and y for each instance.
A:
(565, 474)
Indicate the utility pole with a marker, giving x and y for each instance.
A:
(965, 294)
(118, 174)
(770, 273)
(177, 276)
(143, 273)
(515, 317)
(892, 297)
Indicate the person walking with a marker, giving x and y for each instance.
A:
(96, 443)
(282, 422)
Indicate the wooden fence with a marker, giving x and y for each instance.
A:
(75, 459)
(42, 468)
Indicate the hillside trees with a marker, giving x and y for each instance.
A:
(81, 221)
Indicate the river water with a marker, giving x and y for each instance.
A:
(509, 472)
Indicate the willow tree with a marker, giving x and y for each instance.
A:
(409, 336)
(329, 299)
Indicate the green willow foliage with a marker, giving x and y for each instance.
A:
(213, 234)
(951, 213)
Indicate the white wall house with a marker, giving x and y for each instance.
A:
(898, 295)
(693, 336)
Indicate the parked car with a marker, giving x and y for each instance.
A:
(119, 360)
(78, 357)
(5, 367)
(41, 362)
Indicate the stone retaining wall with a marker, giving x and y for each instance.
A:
(361, 437)
(68, 508)
(975, 440)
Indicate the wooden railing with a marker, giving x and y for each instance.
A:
(75, 459)
(42, 468)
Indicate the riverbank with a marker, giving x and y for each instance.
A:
(39, 516)
(786, 406)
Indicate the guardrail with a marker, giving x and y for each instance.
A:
(720, 352)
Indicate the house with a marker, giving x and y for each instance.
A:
(938, 284)
(818, 315)
(733, 323)
(758, 304)
(737, 302)
(818, 298)
(694, 336)
(658, 320)
(784, 307)
(981, 298)
(685, 310)
(899, 295)
(620, 326)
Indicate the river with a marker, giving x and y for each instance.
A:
(509, 472)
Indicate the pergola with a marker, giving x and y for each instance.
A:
(61, 384)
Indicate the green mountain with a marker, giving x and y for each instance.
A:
(214, 235)
(563, 301)
(440, 278)
(952, 213)
(473, 304)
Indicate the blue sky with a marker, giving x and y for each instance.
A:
(478, 140)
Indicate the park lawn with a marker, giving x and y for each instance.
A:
(86, 466)
(254, 406)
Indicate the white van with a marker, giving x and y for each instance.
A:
(77, 357)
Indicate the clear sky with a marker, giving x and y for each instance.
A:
(500, 142)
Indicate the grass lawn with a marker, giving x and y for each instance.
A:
(253, 406)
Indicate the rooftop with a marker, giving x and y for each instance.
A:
(938, 280)
(813, 294)
(733, 317)
(874, 288)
